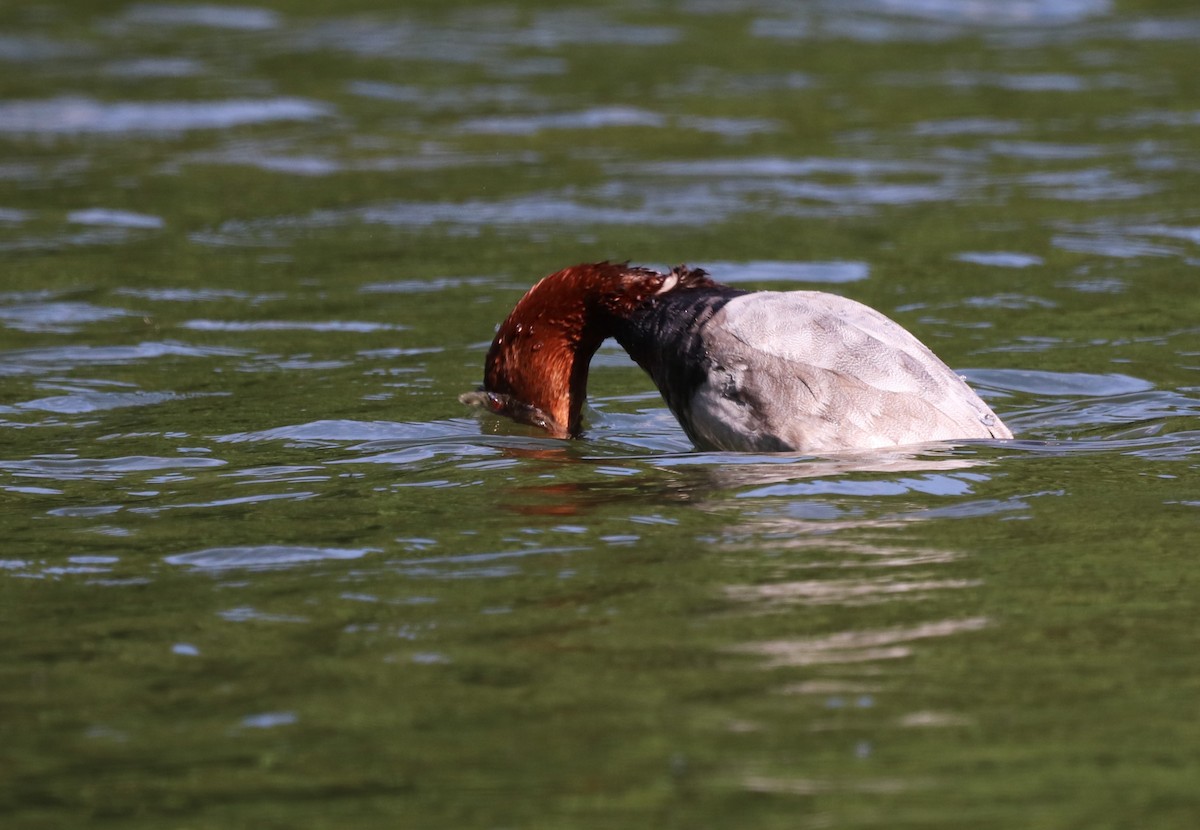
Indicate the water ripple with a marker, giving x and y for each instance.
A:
(592, 119)
(858, 646)
(196, 295)
(67, 115)
(1000, 259)
(1115, 245)
(967, 126)
(241, 18)
(853, 592)
(933, 485)
(770, 167)
(435, 99)
(1061, 384)
(517, 211)
(618, 202)
(489, 37)
(72, 468)
(33, 48)
(421, 286)
(1044, 150)
(1086, 185)
(289, 157)
(92, 400)
(1123, 410)
(261, 557)
(155, 68)
(66, 358)
(1125, 239)
(776, 271)
(920, 21)
(115, 218)
(290, 325)
(333, 432)
(992, 12)
(56, 317)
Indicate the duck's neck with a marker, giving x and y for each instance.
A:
(536, 370)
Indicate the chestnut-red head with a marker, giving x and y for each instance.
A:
(536, 370)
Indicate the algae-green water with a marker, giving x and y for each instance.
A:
(260, 568)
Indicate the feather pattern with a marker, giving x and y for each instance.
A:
(805, 370)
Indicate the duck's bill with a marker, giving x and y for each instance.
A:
(511, 407)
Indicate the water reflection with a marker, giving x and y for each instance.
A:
(459, 98)
(292, 158)
(35, 48)
(71, 468)
(57, 359)
(238, 18)
(620, 202)
(614, 117)
(68, 115)
(55, 317)
(851, 592)
(1000, 259)
(280, 514)
(586, 120)
(493, 38)
(815, 787)
(117, 218)
(261, 556)
(156, 68)
(1125, 239)
(923, 21)
(861, 646)
(81, 400)
(335, 432)
(772, 271)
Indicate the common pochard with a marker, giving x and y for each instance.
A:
(763, 371)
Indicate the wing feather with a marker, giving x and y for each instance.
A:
(817, 371)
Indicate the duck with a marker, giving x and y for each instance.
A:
(742, 371)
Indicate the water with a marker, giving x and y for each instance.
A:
(261, 568)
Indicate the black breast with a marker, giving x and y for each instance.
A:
(663, 336)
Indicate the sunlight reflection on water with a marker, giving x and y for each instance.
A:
(858, 646)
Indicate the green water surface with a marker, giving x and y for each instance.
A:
(259, 568)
